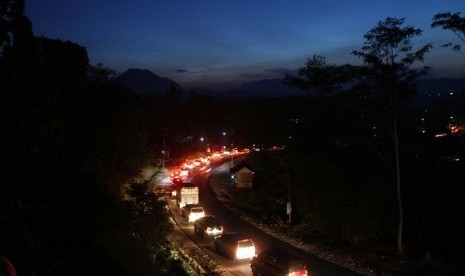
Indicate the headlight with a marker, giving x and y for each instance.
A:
(245, 252)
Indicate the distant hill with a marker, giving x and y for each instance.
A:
(273, 88)
(270, 88)
(441, 85)
(429, 90)
(146, 83)
(434, 90)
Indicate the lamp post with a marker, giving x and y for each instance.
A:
(202, 143)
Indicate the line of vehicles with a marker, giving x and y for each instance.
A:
(233, 245)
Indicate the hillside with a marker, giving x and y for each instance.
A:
(146, 83)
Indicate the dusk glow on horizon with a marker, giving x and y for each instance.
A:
(221, 44)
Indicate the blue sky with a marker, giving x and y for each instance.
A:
(221, 44)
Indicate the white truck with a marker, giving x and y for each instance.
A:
(187, 193)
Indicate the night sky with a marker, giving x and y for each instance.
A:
(221, 44)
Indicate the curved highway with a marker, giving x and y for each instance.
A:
(233, 223)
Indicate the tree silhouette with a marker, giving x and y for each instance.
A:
(388, 53)
(319, 75)
(15, 27)
(452, 22)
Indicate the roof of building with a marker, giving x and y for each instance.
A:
(239, 166)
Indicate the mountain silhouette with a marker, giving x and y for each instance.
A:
(270, 88)
(145, 83)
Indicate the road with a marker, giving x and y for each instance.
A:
(233, 223)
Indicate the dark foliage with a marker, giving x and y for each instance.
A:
(451, 22)
(70, 138)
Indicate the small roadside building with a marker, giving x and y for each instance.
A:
(242, 175)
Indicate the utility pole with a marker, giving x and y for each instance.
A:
(288, 179)
(289, 205)
(163, 152)
(232, 149)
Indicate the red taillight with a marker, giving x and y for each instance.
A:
(300, 272)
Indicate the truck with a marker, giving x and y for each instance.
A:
(187, 193)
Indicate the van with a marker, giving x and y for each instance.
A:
(278, 262)
(235, 246)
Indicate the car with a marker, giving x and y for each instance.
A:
(208, 226)
(188, 165)
(177, 180)
(192, 212)
(276, 261)
(184, 172)
(235, 246)
(205, 160)
(197, 162)
(175, 174)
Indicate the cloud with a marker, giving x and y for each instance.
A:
(280, 70)
(181, 71)
(251, 76)
(269, 73)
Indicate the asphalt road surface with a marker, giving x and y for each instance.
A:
(233, 223)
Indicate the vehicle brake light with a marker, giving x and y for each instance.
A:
(214, 230)
(300, 272)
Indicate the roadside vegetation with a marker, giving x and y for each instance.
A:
(346, 218)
